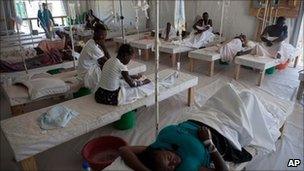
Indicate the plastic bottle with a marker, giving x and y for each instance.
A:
(86, 166)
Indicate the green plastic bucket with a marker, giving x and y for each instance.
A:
(127, 121)
(82, 92)
(55, 71)
(270, 71)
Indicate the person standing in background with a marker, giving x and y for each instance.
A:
(45, 19)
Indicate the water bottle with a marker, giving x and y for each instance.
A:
(86, 166)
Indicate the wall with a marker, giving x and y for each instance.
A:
(236, 17)
(103, 8)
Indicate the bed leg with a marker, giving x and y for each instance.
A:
(211, 68)
(191, 96)
(262, 75)
(237, 71)
(296, 62)
(17, 110)
(300, 90)
(191, 64)
(146, 54)
(173, 59)
(29, 164)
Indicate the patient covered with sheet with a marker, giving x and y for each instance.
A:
(232, 124)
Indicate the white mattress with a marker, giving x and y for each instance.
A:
(22, 74)
(132, 37)
(206, 54)
(171, 48)
(17, 94)
(27, 139)
(145, 43)
(258, 62)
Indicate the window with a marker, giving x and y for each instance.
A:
(28, 10)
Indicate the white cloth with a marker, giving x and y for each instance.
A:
(286, 50)
(89, 55)
(128, 94)
(243, 121)
(56, 117)
(41, 87)
(199, 40)
(172, 33)
(92, 77)
(111, 74)
(230, 49)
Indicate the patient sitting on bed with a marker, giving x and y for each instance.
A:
(113, 70)
(169, 32)
(273, 44)
(201, 34)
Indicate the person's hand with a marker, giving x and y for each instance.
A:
(38, 24)
(204, 133)
(146, 81)
(269, 43)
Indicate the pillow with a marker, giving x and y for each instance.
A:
(40, 87)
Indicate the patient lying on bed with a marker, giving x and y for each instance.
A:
(113, 70)
(209, 135)
(232, 48)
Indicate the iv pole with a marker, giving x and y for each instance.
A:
(156, 69)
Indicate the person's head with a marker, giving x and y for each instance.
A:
(205, 16)
(91, 12)
(243, 38)
(168, 24)
(44, 6)
(160, 160)
(281, 21)
(100, 32)
(125, 53)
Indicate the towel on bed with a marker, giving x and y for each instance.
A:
(56, 117)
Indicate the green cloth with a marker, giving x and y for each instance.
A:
(184, 141)
(82, 92)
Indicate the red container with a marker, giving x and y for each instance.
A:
(283, 65)
(101, 152)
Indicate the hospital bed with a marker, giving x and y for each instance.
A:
(174, 49)
(209, 54)
(144, 44)
(19, 99)
(21, 74)
(27, 139)
(129, 38)
(260, 63)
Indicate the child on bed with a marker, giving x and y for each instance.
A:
(113, 70)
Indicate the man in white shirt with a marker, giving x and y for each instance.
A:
(94, 53)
